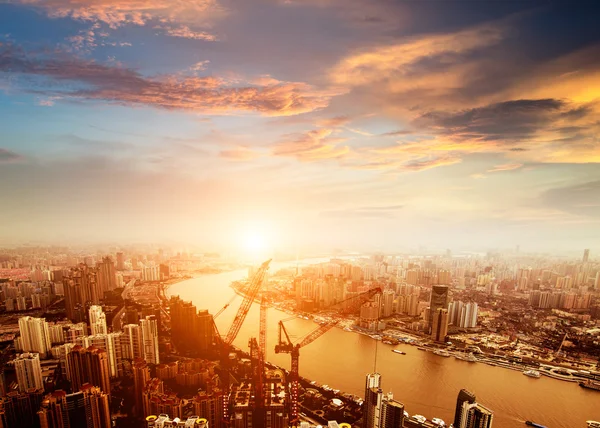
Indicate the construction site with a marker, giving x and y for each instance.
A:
(246, 390)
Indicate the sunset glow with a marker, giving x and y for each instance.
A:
(341, 123)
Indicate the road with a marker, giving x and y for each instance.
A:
(125, 295)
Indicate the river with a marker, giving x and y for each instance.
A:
(427, 384)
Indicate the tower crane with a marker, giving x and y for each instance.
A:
(286, 346)
(224, 343)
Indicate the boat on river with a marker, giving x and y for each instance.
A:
(590, 384)
(593, 424)
(441, 353)
(397, 351)
(533, 424)
(532, 373)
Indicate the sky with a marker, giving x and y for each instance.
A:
(350, 124)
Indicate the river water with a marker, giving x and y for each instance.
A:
(427, 384)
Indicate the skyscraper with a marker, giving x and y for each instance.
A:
(387, 303)
(132, 342)
(439, 299)
(112, 344)
(29, 371)
(439, 329)
(586, 255)
(80, 288)
(149, 329)
(35, 336)
(97, 320)
(120, 261)
(141, 376)
(190, 330)
(107, 276)
(372, 403)
(464, 396)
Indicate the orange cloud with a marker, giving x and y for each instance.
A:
(506, 167)
(138, 12)
(119, 85)
(395, 61)
(312, 146)
(185, 32)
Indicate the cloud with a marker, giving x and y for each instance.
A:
(506, 167)
(119, 12)
(434, 162)
(580, 199)
(75, 78)
(334, 122)
(6, 156)
(313, 145)
(510, 121)
(397, 133)
(540, 130)
(387, 211)
(239, 154)
(185, 32)
(402, 60)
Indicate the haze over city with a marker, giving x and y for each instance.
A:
(363, 125)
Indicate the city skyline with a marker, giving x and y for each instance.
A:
(363, 125)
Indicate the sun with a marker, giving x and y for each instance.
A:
(254, 242)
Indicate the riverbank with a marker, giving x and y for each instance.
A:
(402, 337)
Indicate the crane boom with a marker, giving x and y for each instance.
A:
(316, 334)
(286, 346)
(249, 297)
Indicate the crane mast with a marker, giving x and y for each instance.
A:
(225, 343)
(286, 346)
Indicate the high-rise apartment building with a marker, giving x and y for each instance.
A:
(586, 255)
(463, 315)
(97, 320)
(439, 329)
(141, 376)
(149, 329)
(132, 342)
(29, 371)
(107, 275)
(89, 365)
(112, 344)
(35, 336)
(80, 288)
(387, 303)
(190, 329)
(439, 299)
(210, 406)
(17, 409)
(86, 408)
